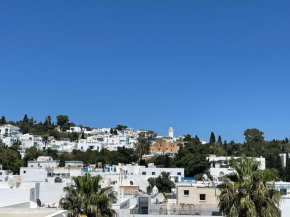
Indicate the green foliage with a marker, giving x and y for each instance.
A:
(164, 161)
(63, 122)
(120, 127)
(3, 120)
(253, 135)
(142, 148)
(88, 198)
(10, 159)
(287, 170)
(247, 193)
(212, 138)
(162, 182)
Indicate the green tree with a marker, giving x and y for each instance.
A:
(253, 135)
(3, 120)
(47, 120)
(212, 138)
(25, 119)
(31, 154)
(83, 135)
(10, 159)
(162, 182)
(286, 140)
(88, 198)
(246, 193)
(62, 121)
(219, 140)
(142, 148)
(287, 168)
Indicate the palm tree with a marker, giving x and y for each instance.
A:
(142, 147)
(87, 198)
(247, 193)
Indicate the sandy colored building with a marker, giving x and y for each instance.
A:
(162, 146)
(206, 197)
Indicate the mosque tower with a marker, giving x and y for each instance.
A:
(170, 132)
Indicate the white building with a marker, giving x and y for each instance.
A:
(27, 140)
(9, 130)
(43, 162)
(93, 145)
(76, 129)
(8, 141)
(220, 167)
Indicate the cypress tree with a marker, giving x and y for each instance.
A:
(25, 119)
(225, 145)
(219, 140)
(279, 167)
(286, 140)
(287, 172)
(3, 120)
(212, 138)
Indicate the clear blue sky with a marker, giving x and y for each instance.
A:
(199, 66)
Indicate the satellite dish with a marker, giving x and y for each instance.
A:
(38, 203)
(19, 179)
(204, 177)
(11, 182)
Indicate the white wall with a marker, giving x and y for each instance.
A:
(33, 174)
(12, 196)
(51, 192)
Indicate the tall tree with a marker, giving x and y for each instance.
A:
(88, 198)
(47, 120)
(212, 138)
(142, 148)
(62, 120)
(286, 140)
(25, 119)
(219, 140)
(287, 168)
(253, 135)
(3, 120)
(246, 193)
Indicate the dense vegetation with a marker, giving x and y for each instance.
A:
(87, 198)
(247, 193)
(191, 156)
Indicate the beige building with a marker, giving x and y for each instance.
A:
(162, 146)
(204, 197)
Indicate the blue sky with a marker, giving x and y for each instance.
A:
(199, 66)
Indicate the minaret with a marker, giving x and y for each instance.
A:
(170, 132)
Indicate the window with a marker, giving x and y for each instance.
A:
(179, 173)
(202, 197)
(283, 191)
(24, 171)
(186, 192)
(143, 173)
(153, 173)
(0, 173)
